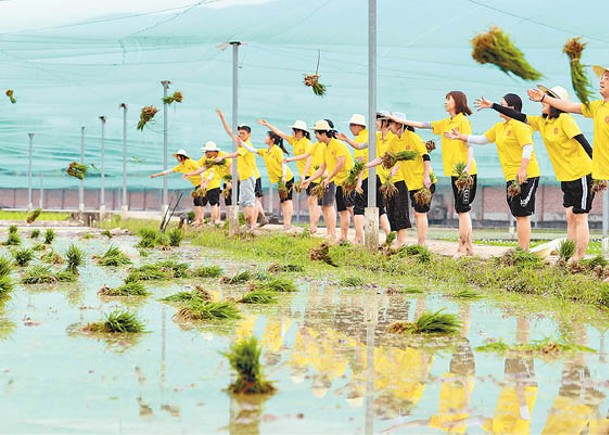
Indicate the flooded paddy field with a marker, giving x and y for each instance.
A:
(325, 348)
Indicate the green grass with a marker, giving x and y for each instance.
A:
(351, 281)
(465, 293)
(547, 348)
(207, 272)
(113, 257)
(277, 285)
(259, 297)
(244, 358)
(39, 275)
(239, 278)
(159, 271)
(74, 258)
(23, 215)
(23, 256)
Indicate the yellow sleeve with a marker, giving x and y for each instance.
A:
(342, 150)
(589, 111)
(569, 126)
(419, 145)
(178, 168)
(465, 127)
(534, 122)
(491, 134)
(260, 152)
(291, 140)
(438, 126)
(524, 134)
(242, 151)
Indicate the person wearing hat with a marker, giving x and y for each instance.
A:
(517, 158)
(597, 110)
(300, 140)
(570, 155)
(186, 165)
(246, 170)
(338, 162)
(212, 176)
(454, 152)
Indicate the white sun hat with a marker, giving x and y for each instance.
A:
(555, 92)
(358, 119)
(399, 115)
(322, 125)
(210, 146)
(181, 153)
(299, 125)
(599, 70)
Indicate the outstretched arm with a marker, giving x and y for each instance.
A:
(162, 173)
(274, 129)
(565, 106)
(357, 146)
(483, 103)
(471, 139)
(226, 126)
(584, 143)
(410, 123)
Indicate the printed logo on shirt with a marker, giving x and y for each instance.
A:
(508, 133)
(556, 130)
(607, 120)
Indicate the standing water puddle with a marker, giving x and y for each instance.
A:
(326, 348)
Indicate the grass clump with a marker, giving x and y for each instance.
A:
(150, 238)
(117, 322)
(13, 239)
(114, 257)
(23, 256)
(176, 236)
(277, 285)
(428, 323)
(6, 283)
(107, 233)
(199, 292)
(351, 281)
(239, 278)
(66, 276)
(134, 288)
(566, 250)
(519, 258)
(33, 216)
(420, 253)
(53, 257)
(49, 236)
(278, 268)
(244, 358)
(75, 258)
(197, 309)
(160, 271)
(546, 348)
(39, 275)
(465, 293)
(207, 272)
(35, 234)
(259, 297)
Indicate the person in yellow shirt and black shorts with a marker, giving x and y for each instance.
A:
(570, 155)
(279, 171)
(338, 161)
(187, 165)
(456, 152)
(517, 158)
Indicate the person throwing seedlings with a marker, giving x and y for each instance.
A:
(246, 170)
(569, 153)
(458, 161)
(301, 143)
(517, 158)
(338, 161)
(187, 165)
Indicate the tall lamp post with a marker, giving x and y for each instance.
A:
(102, 198)
(125, 206)
(233, 210)
(372, 211)
(165, 84)
(29, 173)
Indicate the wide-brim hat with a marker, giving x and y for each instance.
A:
(599, 70)
(299, 125)
(181, 153)
(210, 146)
(358, 119)
(382, 114)
(321, 125)
(399, 115)
(555, 92)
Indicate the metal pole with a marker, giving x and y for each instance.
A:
(165, 201)
(102, 198)
(29, 173)
(81, 187)
(233, 210)
(372, 214)
(605, 242)
(125, 205)
(41, 199)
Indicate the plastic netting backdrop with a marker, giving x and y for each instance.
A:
(69, 64)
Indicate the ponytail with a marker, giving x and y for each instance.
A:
(278, 140)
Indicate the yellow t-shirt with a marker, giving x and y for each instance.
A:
(189, 165)
(273, 157)
(453, 407)
(395, 146)
(599, 110)
(511, 137)
(508, 418)
(568, 416)
(362, 155)
(412, 170)
(569, 160)
(382, 146)
(216, 172)
(226, 169)
(246, 164)
(317, 152)
(301, 146)
(334, 150)
(256, 172)
(454, 151)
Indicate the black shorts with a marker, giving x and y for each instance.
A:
(421, 208)
(328, 198)
(523, 204)
(361, 199)
(577, 194)
(197, 201)
(228, 200)
(465, 198)
(258, 188)
(397, 208)
(343, 202)
(290, 185)
(212, 197)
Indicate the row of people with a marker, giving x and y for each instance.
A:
(326, 164)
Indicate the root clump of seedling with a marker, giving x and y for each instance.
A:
(464, 180)
(322, 253)
(244, 358)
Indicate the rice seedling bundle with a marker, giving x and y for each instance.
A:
(49, 236)
(11, 95)
(114, 257)
(259, 297)
(283, 190)
(35, 234)
(318, 189)
(566, 249)
(388, 189)
(322, 253)
(146, 116)
(75, 258)
(351, 281)
(239, 278)
(33, 216)
(6, 283)
(430, 145)
(207, 272)
(39, 275)
(390, 159)
(23, 257)
(581, 84)
(350, 182)
(177, 97)
(244, 358)
(197, 309)
(134, 288)
(514, 189)
(464, 180)
(13, 239)
(422, 196)
(118, 322)
(176, 236)
(278, 285)
(77, 170)
(598, 186)
(312, 81)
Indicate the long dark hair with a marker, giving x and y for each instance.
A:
(460, 102)
(277, 140)
(304, 132)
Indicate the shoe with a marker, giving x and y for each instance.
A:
(263, 221)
